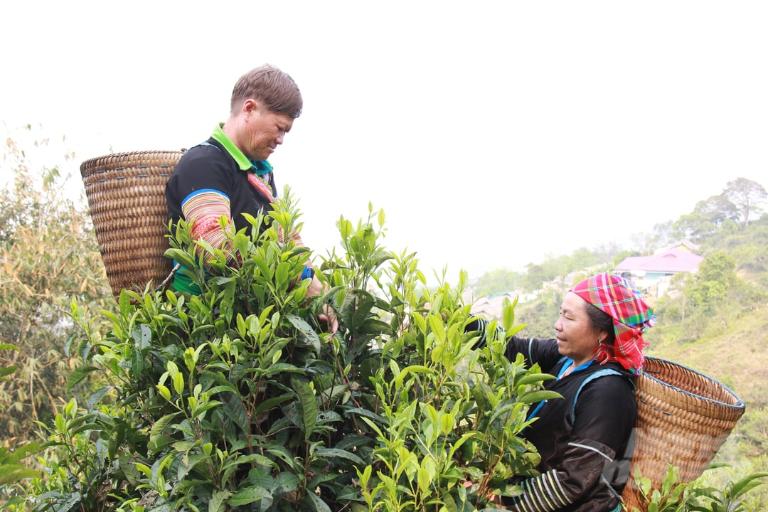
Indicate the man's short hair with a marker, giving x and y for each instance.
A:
(269, 85)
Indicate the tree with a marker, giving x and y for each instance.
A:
(747, 196)
(710, 285)
(496, 282)
(707, 218)
(49, 256)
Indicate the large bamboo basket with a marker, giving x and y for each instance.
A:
(126, 196)
(683, 417)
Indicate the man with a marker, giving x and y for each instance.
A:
(229, 174)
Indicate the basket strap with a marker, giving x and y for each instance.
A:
(598, 374)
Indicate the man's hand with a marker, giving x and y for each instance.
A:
(327, 315)
(315, 288)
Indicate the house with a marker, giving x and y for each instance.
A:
(491, 307)
(684, 245)
(653, 274)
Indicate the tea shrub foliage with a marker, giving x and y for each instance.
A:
(240, 399)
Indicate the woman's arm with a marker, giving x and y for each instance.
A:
(591, 461)
(573, 481)
(535, 350)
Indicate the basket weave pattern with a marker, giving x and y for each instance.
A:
(683, 417)
(126, 196)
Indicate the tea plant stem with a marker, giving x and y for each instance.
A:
(32, 395)
(248, 434)
(346, 381)
(306, 468)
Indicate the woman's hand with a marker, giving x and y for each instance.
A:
(492, 498)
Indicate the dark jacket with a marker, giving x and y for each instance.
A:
(584, 439)
(584, 444)
(210, 166)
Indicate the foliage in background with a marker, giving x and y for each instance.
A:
(741, 201)
(12, 468)
(48, 255)
(536, 275)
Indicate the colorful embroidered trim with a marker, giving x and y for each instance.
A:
(202, 209)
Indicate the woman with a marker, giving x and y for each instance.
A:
(584, 438)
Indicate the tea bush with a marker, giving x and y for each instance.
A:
(239, 399)
(677, 496)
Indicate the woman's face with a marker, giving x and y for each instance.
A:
(576, 337)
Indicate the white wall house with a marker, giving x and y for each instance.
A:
(653, 274)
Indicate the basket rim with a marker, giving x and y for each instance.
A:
(124, 154)
(739, 405)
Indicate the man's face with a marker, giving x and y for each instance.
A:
(262, 130)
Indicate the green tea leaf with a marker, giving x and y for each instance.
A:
(157, 437)
(342, 454)
(164, 391)
(410, 370)
(218, 499)
(308, 405)
(426, 474)
(355, 309)
(538, 396)
(317, 504)
(533, 378)
(248, 495)
(307, 335)
(437, 326)
(367, 414)
(746, 484)
(7, 370)
(12, 473)
(271, 403)
(235, 411)
(178, 382)
(142, 337)
(180, 256)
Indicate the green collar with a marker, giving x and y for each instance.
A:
(260, 167)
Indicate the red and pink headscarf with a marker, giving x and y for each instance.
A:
(616, 297)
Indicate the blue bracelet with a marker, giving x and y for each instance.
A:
(307, 273)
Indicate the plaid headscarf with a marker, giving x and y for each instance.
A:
(616, 297)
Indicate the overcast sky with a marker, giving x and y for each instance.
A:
(492, 133)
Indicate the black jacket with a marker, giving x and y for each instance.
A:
(584, 444)
(585, 439)
(210, 166)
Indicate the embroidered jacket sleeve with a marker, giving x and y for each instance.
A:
(591, 462)
(569, 486)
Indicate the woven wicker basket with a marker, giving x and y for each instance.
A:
(683, 417)
(126, 196)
